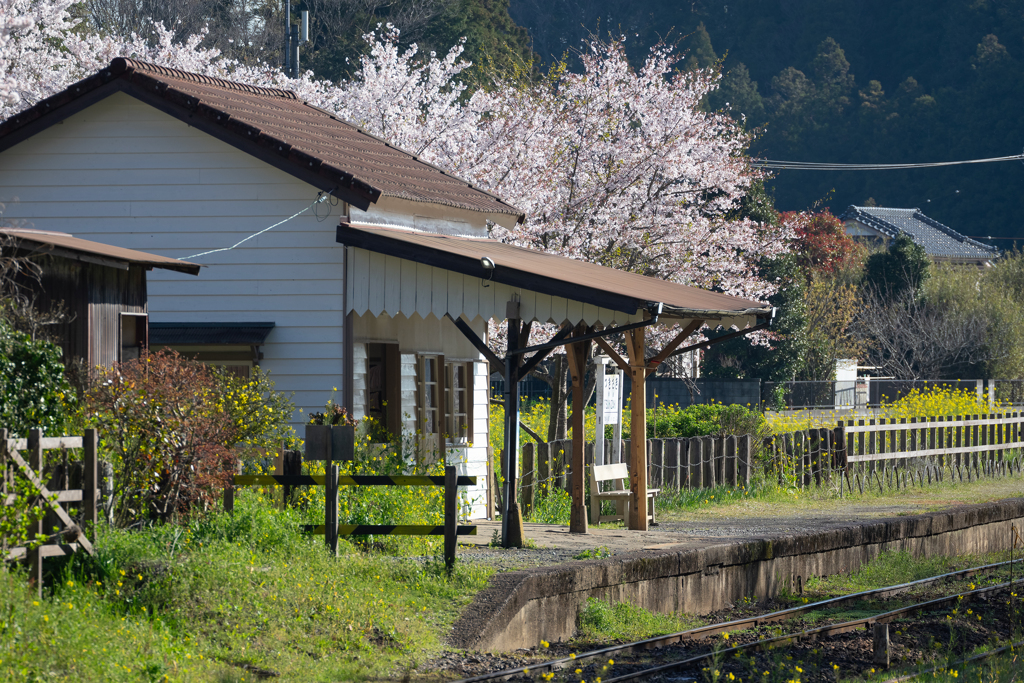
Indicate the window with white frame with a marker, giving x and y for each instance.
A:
(444, 401)
(458, 389)
(429, 394)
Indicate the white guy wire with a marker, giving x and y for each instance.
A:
(319, 198)
(824, 166)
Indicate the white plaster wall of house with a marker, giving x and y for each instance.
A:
(123, 173)
(428, 336)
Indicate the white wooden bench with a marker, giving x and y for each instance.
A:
(621, 496)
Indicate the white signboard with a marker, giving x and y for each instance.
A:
(612, 410)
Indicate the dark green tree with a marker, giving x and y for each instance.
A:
(738, 95)
(700, 54)
(903, 266)
(781, 359)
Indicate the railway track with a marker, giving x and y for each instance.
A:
(576, 661)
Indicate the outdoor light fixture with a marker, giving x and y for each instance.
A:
(488, 264)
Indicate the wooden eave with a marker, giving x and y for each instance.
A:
(550, 274)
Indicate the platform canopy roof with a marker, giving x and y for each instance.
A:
(397, 271)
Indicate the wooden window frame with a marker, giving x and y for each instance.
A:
(459, 424)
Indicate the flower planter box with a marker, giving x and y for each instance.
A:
(324, 442)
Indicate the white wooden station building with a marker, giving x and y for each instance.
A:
(350, 298)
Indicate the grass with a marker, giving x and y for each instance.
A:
(601, 622)
(226, 598)
(767, 499)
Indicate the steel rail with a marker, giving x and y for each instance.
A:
(828, 630)
(735, 625)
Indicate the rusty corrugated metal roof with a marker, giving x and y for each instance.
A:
(549, 273)
(274, 124)
(61, 243)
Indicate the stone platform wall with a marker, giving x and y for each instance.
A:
(521, 608)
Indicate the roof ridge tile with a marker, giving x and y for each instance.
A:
(168, 72)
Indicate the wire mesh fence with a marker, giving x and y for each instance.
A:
(869, 392)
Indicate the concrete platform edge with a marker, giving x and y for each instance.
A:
(520, 608)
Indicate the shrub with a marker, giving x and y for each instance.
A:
(34, 390)
(258, 413)
(169, 433)
(703, 419)
(936, 401)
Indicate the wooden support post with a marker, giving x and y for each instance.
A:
(331, 511)
(90, 481)
(511, 517)
(578, 354)
(638, 426)
(451, 516)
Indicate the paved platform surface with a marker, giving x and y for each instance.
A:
(679, 534)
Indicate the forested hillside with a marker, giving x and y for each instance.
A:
(832, 80)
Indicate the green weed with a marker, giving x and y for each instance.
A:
(599, 621)
(226, 596)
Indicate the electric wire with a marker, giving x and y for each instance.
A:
(826, 166)
(320, 197)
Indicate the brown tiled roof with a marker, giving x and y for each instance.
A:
(550, 273)
(63, 244)
(277, 126)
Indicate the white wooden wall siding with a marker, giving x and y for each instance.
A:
(123, 173)
(393, 286)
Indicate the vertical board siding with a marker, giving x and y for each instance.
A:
(386, 284)
(134, 177)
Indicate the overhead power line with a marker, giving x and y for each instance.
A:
(820, 166)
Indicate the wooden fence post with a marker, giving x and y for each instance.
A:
(839, 457)
(729, 460)
(744, 453)
(543, 458)
(451, 519)
(90, 480)
(526, 479)
(670, 463)
(708, 460)
(331, 511)
(696, 474)
(35, 556)
(655, 462)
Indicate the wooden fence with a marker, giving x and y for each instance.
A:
(24, 458)
(338, 444)
(684, 463)
(899, 452)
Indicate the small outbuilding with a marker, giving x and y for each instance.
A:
(100, 288)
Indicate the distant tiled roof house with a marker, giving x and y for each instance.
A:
(939, 241)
